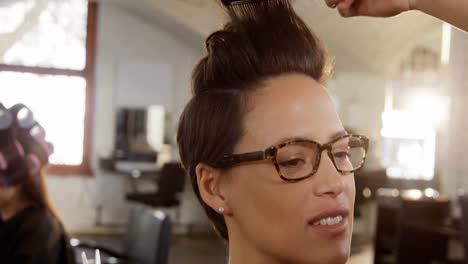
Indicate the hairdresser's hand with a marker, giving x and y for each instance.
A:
(454, 12)
(375, 8)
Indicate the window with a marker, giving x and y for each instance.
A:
(47, 63)
(408, 146)
(416, 107)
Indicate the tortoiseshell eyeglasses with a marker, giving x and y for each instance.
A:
(299, 159)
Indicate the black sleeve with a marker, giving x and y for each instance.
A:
(39, 241)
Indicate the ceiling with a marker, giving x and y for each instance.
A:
(374, 45)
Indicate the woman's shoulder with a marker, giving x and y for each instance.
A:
(40, 216)
(41, 224)
(40, 236)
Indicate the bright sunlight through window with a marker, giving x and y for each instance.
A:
(58, 103)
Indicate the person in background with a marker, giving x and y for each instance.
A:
(30, 230)
(454, 12)
(266, 152)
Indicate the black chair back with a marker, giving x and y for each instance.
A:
(420, 238)
(149, 236)
(463, 200)
(172, 180)
(425, 210)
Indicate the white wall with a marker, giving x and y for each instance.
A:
(125, 37)
(455, 167)
(361, 98)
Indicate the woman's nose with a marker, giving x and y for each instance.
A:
(330, 182)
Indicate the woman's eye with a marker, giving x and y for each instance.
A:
(341, 154)
(292, 163)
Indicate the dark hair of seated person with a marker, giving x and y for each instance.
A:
(30, 230)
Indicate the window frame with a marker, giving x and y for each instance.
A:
(87, 73)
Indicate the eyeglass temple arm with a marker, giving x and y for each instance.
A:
(250, 156)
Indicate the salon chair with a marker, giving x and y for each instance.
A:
(413, 231)
(147, 241)
(170, 185)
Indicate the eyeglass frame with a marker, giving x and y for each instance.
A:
(271, 152)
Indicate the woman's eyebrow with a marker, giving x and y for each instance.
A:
(338, 134)
(286, 139)
(291, 138)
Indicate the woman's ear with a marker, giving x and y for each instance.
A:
(209, 180)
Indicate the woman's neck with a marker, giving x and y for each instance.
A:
(242, 251)
(16, 205)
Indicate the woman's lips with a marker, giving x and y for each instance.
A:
(331, 222)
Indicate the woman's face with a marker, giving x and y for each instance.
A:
(277, 217)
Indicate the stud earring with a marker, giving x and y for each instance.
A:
(221, 209)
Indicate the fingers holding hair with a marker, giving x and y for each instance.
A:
(332, 3)
(346, 9)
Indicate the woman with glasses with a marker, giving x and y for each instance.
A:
(266, 152)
